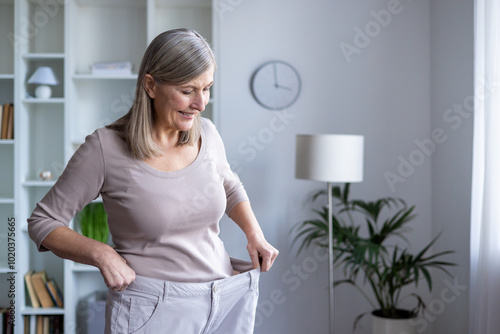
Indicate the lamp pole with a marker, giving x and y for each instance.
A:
(330, 158)
(330, 261)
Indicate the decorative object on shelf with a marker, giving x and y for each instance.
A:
(44, 76)
(371, 253)
(46, 175)
(93, 222)
(114, 68)
(275, 85)
(330, 158)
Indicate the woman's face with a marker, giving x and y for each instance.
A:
(175, 106)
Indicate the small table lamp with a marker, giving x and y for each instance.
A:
(330, 158)
(43, 76)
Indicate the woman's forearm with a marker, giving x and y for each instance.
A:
(261, 252)
(242, 214)
(68, 244)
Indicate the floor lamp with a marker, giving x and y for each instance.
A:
(329, 158)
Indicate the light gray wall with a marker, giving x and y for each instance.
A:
(383, 93)
(452, 75)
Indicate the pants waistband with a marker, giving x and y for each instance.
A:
(164, 289)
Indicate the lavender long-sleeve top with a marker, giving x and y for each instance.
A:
(165, 224)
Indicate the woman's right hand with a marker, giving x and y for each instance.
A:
(114, 269)
(68, 244)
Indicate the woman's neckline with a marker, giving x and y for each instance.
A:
(180, 172)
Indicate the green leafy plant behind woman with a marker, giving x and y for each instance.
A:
(94, 222)
(385, 267)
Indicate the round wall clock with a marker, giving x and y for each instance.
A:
(275, 85)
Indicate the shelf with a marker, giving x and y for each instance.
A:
(53, 100)
(42, 56)
(132, 3)
(104, 77)
(7, 76)
(38, 183)
(6, 270)
(42, 311)
(185, 3)
(6, 201)
(6, 141)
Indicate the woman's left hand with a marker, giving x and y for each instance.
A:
(261, 252)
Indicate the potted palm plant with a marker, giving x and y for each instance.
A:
(370, 255)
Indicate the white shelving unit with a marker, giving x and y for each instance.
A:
(69, 37)
(39, 139)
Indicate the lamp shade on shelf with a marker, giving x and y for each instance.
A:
(329, 158)
(43, 76)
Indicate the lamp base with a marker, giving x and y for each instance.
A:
(43, 92)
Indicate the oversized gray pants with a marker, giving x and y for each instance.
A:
(148, 305)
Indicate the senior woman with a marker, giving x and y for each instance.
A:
(165, 183)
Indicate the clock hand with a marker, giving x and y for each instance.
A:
(282, 87)
(275, 76)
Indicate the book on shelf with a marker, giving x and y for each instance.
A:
(39, 324)
(6, 323)
(30, 290)
(42, 292)
(27, 324)
(7, 121)
(44, 324)
(55, 293)
(38, 280)
(112, 68)
(10, 122)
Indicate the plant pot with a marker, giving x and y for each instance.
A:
(401, 325)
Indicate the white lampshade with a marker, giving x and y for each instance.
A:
(329, 158)
(43, 76)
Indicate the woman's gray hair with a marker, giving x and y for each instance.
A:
(174, 57)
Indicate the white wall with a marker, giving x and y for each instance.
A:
(452, 45)
(383, 93)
